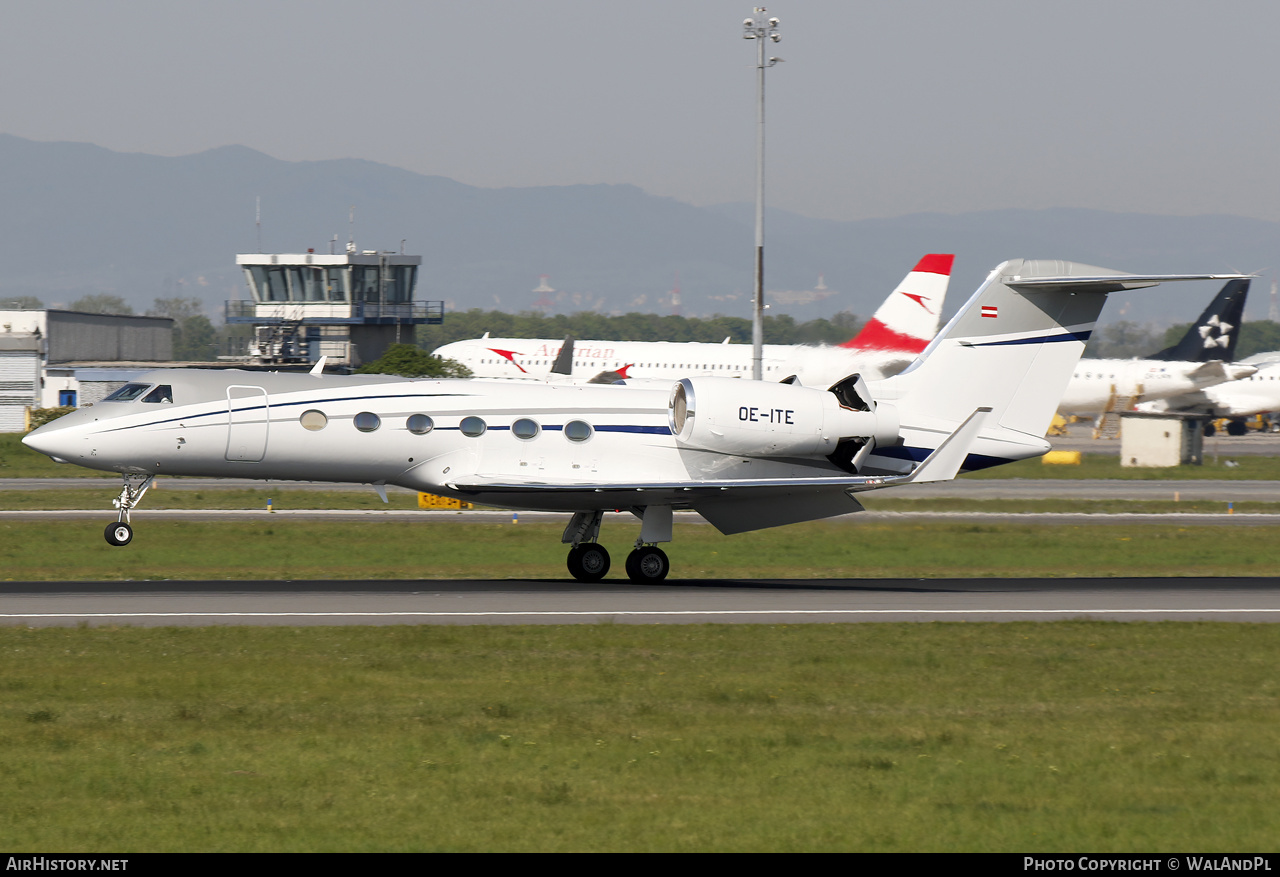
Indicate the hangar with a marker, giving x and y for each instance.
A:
(51, 358)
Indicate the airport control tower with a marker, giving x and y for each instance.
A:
(349, 307)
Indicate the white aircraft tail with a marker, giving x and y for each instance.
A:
(1012, 347)
(910, 316)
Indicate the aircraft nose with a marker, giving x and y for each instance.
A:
(49, 439)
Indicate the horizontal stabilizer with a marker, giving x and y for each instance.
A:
(1106, 282)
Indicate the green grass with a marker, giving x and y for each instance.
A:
(19, 461)
(284, 499)
(887, 502)
(1063, 737)
(245, 498)
(1250, 468)
(282, 548)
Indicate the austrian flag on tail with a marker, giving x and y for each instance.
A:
(989, 311)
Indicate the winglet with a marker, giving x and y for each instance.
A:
(948, 457)
(318, 368)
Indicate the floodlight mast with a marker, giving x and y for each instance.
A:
(760, 29)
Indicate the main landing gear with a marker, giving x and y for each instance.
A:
(120, 533)
(646, 564)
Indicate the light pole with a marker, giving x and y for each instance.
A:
(759, 29)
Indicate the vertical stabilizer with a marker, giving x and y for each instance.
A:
(910, 316)
(1214, 335)
(1012, 347)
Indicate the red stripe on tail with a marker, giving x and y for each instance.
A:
(875, 335)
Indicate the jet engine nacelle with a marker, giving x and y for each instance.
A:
(734, 416)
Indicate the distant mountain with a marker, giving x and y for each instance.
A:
(78, 219)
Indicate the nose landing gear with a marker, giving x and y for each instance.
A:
(120, 533)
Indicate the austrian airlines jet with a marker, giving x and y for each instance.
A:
(900, 329)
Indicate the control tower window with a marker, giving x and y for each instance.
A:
(269, 283)
(308, 284)
(364, 283)
(400, 280)
(336, 284)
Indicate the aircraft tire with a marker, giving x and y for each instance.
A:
(588, 562)
(119, 534)
(1237, 427)
(648, 565)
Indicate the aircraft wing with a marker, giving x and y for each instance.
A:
(1218, 372)
(736, 505)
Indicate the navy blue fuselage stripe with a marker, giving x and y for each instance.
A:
(648, 430)
(269, 405)
(557, 427)
(918, 455)
(1039, 339)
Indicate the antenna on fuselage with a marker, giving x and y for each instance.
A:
(318, 368)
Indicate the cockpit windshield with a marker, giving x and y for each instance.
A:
(128, 393)
(162, 393)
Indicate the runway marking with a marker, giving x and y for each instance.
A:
(629, 612)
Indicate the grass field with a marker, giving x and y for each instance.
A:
(1058, 737)
(1247, 468)
(283, 548)
(1072, 736)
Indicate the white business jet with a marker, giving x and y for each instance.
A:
(744, 454)
(900, 328)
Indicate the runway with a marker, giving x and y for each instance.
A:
(765, 601)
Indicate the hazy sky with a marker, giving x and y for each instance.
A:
(880, 108)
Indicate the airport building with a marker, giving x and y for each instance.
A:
(51, 358)
(349, 307)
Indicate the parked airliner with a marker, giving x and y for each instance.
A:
(902, 326)
(1202, 358)
(744, 454)
(1256, 394)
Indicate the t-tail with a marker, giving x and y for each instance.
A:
(1011, 348)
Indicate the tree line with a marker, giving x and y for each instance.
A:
(197, 339)
(1129, 340)
(782, 329)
